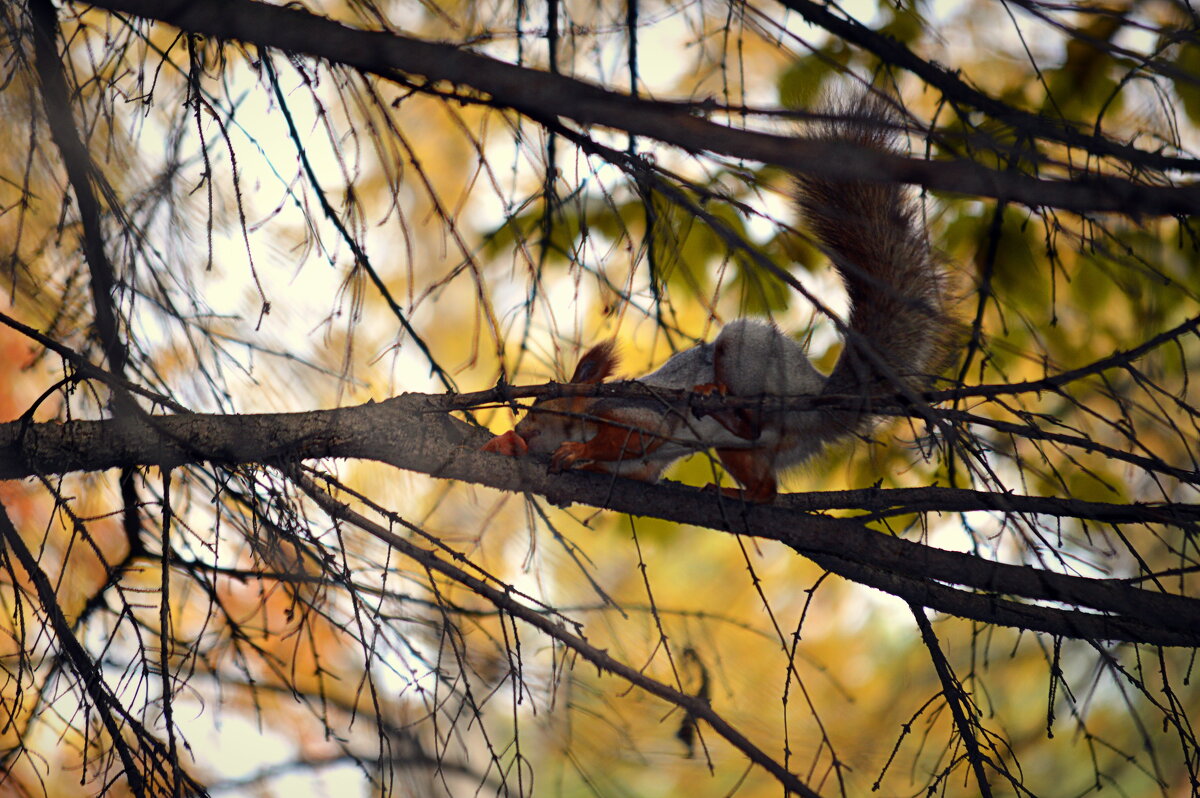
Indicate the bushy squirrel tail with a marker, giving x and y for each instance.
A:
(899, 326)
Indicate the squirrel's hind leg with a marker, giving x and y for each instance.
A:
(749, 467)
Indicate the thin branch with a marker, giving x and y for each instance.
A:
(954, 88)
(695, 706)
(91, 679)
(955, 699)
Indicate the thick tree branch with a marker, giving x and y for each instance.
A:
(539, 93)
(416, 432)
(876, 501)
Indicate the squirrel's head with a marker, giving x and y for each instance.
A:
(549, 422)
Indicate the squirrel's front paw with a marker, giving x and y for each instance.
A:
(568, 455)
(510, 444)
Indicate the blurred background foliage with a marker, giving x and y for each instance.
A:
(307, 658)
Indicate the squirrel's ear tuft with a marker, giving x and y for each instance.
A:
(597, 363)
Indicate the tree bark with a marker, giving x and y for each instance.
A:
(416, 432)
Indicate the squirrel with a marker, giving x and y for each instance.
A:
(898, 330)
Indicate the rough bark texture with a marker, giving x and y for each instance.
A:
(416, 432)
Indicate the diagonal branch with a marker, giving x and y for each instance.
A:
(503, 600)
(56, 102)
(537, 93)
(958, 91)
(957, 700)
